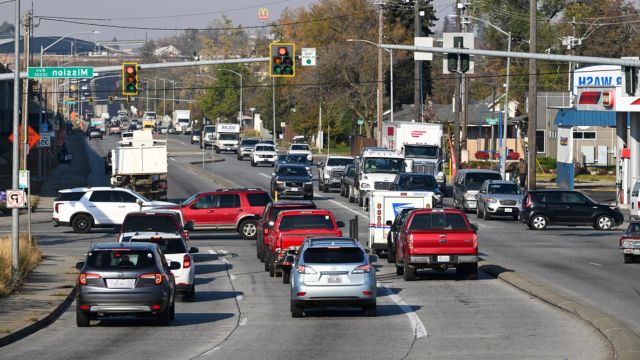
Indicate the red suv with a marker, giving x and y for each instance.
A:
(226, 209)
(269, 216)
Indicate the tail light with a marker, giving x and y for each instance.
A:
(475, 241)
(410, 241)
(186, 261)
(84, 276)
(56, 207)
(156, 277)
(362, 269)
(301, 269)
(527, 202)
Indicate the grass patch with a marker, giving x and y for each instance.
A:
(595, 177)
(30, 256)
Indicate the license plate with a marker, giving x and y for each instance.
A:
(121, 283)
(508, 210)
(636, 251)
(334, 279)
(228, 149)
(472, 205)
(443, 258)
(294, 189)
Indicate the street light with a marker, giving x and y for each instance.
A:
(237, 73)
(503, 139)
(390, 51)
(43, 49)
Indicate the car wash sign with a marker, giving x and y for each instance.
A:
(597, 87)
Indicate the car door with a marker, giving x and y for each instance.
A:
(634, 199)
(578, 209)
(552, 205)
(228, 210)
(125, 203)
(101, 206)
(481, 195)
(201, 211)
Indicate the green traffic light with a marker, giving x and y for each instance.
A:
(131, 87)
(277, 69)
(287, 70)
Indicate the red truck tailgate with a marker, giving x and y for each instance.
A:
(295, 238)
(442, 242)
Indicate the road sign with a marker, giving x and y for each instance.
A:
(44, 127)
(32, 136)
(45, 140)
(426, 42)
(60, 72)
(360, 121)
(15, 199)
(492, 121)
(308, 56)
(283, 124)
(23, 179)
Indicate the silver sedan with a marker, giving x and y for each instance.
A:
(499, 198)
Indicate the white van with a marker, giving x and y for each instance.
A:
(634, 200)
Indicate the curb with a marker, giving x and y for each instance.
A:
(625, 343)
(42, 323)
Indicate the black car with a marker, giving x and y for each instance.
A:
(348, 180)
(125, 279)
(418, 182)
(394, 231)
(564, 207)
(292, 180)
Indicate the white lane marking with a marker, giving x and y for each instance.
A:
(265, 175)
(416, 324)
(210, 351)
(243, 321)
(348, 208)
(596, 264)
(239, 297)
(222, 252)
(172, 159)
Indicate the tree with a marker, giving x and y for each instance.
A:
(7, 28)
(147, 51)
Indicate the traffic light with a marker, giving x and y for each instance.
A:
(458, 63)
(129, 78)
(282, 63)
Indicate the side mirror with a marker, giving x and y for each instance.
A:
(139, 202)
(189, 225)
(174, 265)
(290, 259)
(270, 224)
(373, 259)
(79, 265)
(340, 224)
(389, 223)
(193, 250)
(273, 174)
(474, 227)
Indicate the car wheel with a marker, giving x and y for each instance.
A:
(165, 317)
(82, 319)
(286, 277)
(190, 296)
(258, 248)
(399, 269)
(538, 222)
(81, 223)
(628, 259)
(409, 272)
(360, 201)
(604, 222)
(253, 163)
(350, 195)
(319, 184)
(296, 311)
(249, 229)
(370, 310)
(172, 310)
(486, 214)
(217, 151)
(391, 254)
(265, 257)
(478, 213)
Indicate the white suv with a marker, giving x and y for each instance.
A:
(301, 149)
(264, 153)
(85, 208)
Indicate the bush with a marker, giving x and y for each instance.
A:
(547, 162)
(580, 170)
(30, 256)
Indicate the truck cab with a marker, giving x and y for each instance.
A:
(426, 159)
(375, 170)
(227, 138)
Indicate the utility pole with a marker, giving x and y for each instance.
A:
(533, 96)
(15, 212)
(417, 65)
(464, 91)
(273, 109)
(25, 104)
(457, 100)
(380, 74)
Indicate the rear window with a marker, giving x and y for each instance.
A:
(164, 223)
(120, 259)
(249, 142)
(339, 162)
(438, 221)
(337, 255)
(167, 246)
(69, 196)
(297, 222)
(474, 181)
(300, 147)
(275, 211)
(258, 199)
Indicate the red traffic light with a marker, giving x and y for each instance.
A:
(129, 78)
(282, 51)
(130, 69)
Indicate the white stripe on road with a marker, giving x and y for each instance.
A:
(596, 264)
(265, 175)
(172, 159)
(348, 208)
(419, 331)
(239, 297)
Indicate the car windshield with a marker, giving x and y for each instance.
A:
(166, 245)
(417, 182)
(310, 221)
(228, 136)
(250, 143)
(473, 181)
(339, 162)
(282, 158)
(189, 200)
(156, 223)
(304, 147)
(297, 159)
(120, 258)
(333, 255)
(421, 151)
(383, 165)
(265, 148)
(292, 171)
(438, 221)
(633, 229)
(512, 189)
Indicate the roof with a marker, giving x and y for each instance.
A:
(306, 212)
(78, 189)
(339, 157)
(128, 245)
(574, 117)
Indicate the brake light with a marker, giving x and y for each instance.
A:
(155, 307)
(475, 241)
(84, 307)
(186, 261)
(84, 276)
(56, 207)
(367, 293)
(410, 241)
(527, 202)
(156, 277)
(301, 293)
(305, 270)
(362, 269)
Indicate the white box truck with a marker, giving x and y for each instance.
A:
(421, 146)
(385, 206)
(181, 121)
(141, 165)
(227, 137)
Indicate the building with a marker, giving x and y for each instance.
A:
(167, 51)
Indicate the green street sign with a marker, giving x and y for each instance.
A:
(492, 121)
(360, 121)
(60, 72)
(69, 102)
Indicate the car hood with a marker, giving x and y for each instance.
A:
(293, 178)
(272, 153)
(516, 197)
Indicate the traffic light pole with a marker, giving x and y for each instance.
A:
(15, 223)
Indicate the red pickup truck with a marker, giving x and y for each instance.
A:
(289, 230)
(437, 239)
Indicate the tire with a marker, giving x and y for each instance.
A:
(515, 217)
(391, 253)
(370, 310)
(286, 277)
(604, 222)
(253, 163)
(82, 319)
(172, 310)
(272, 269)
(341, 190)
(486, 214)
(238, 157)
(351, 198)
(265, 259)
(258, 248)
(165, 317)
(409, 272)
(538, 222)
(478, 213)
(217, 151)
(190, 295)
(82, 223)
(360, 201)
(296, 311)
(308, 197)
(628, 259)
(320, 186)
(248, 229)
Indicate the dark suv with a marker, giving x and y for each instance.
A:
(270, 214)
(564, 207)
(125, 279)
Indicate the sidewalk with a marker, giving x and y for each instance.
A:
(50, 288)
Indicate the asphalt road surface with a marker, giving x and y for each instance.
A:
(241, 313)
